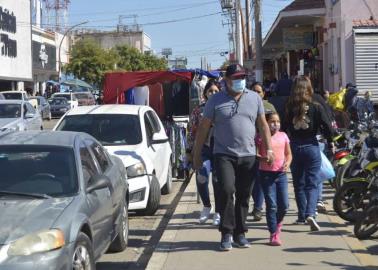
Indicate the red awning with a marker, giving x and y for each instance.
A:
(116, 83)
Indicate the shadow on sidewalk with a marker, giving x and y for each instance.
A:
(311, 249)
(349, 267)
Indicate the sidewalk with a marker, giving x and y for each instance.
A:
(188, 245)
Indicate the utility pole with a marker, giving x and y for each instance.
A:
(248, 22)
(258, 38)
(239, 45)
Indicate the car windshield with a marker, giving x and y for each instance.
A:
(45, 170)
(12, 95)
(68, 97)
(82, 96)
(58, 101)
(109, 129)
(10, 110)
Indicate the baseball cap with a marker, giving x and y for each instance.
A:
(235, 71)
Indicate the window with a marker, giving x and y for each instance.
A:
(87, 163)
(99, 153)
(149, 127)
(154, 121)
(30, 108)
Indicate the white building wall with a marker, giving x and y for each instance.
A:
(340, 62)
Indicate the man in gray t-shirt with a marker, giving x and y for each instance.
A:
(234, 114)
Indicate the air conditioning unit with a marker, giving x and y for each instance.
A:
(227, 4)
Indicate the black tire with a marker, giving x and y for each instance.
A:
(349, 201)
(83, 242)
(153, 198)
(167, 188)
(367, 223)
(119, 244)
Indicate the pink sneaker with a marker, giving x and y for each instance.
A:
(275, 240)
(279, 228)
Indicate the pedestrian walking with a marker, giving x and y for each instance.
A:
(257, 192)
(234, 114)
(203, 174)
(273, 177)
(304, 118)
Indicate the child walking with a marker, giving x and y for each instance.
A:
(273, 177)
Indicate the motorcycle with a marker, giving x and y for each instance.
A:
(354, 195)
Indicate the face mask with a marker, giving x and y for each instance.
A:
(275, 127)
(238, 85)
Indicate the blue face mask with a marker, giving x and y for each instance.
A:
(238, 86)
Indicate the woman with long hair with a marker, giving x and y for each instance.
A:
(203, 173)
(304, 119)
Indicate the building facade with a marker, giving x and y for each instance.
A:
(317, 38)
(107, 40)
(15, 44)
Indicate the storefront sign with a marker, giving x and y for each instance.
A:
(298, 38)
(15, 40)
(44, 56)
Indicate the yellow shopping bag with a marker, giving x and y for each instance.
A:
(336, 100)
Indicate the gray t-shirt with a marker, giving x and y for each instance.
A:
(234, 122)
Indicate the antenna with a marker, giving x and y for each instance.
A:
(58, 10)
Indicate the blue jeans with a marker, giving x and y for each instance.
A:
(257, 192)
(275, 187)
(305, 170)
(202, 179)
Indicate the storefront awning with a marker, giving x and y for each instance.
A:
(292, 27)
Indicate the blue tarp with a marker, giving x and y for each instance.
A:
(210, 74)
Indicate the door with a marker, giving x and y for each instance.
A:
(33, 121)
(366, 61)
(99, 203)
(157, 152)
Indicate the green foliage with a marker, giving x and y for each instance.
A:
(90, 62)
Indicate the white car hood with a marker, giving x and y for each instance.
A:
(129, 154)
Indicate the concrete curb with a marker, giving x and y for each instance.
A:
(160, 255)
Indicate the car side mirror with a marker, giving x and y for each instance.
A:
(29, 115)
(98, 182)
(158, 138)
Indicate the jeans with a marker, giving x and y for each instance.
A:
(305, 170)
(275, 187)
(234, 176)
(257, 193)
(202, 179)
(320, 185)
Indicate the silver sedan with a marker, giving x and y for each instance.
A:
(63, 201)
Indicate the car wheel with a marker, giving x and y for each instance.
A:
(153, 198)
(83, 258)
(168, 184)
(120, 242)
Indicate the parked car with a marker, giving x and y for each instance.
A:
(43, 107)
(20, 95)
(85, 98)
(67, 205)
(19, 115)
(2, 97)
(136, 135)
(72, 100)
(59, 106)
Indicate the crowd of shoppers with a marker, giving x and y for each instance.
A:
(237, 136)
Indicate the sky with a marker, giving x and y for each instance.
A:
(198, 31)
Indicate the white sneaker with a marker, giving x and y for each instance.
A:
(205, 214)
(216, 219)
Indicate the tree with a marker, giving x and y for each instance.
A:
(130, 59)
(225, 64)
(89, 61)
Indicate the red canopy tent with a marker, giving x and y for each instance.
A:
(116, 83)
